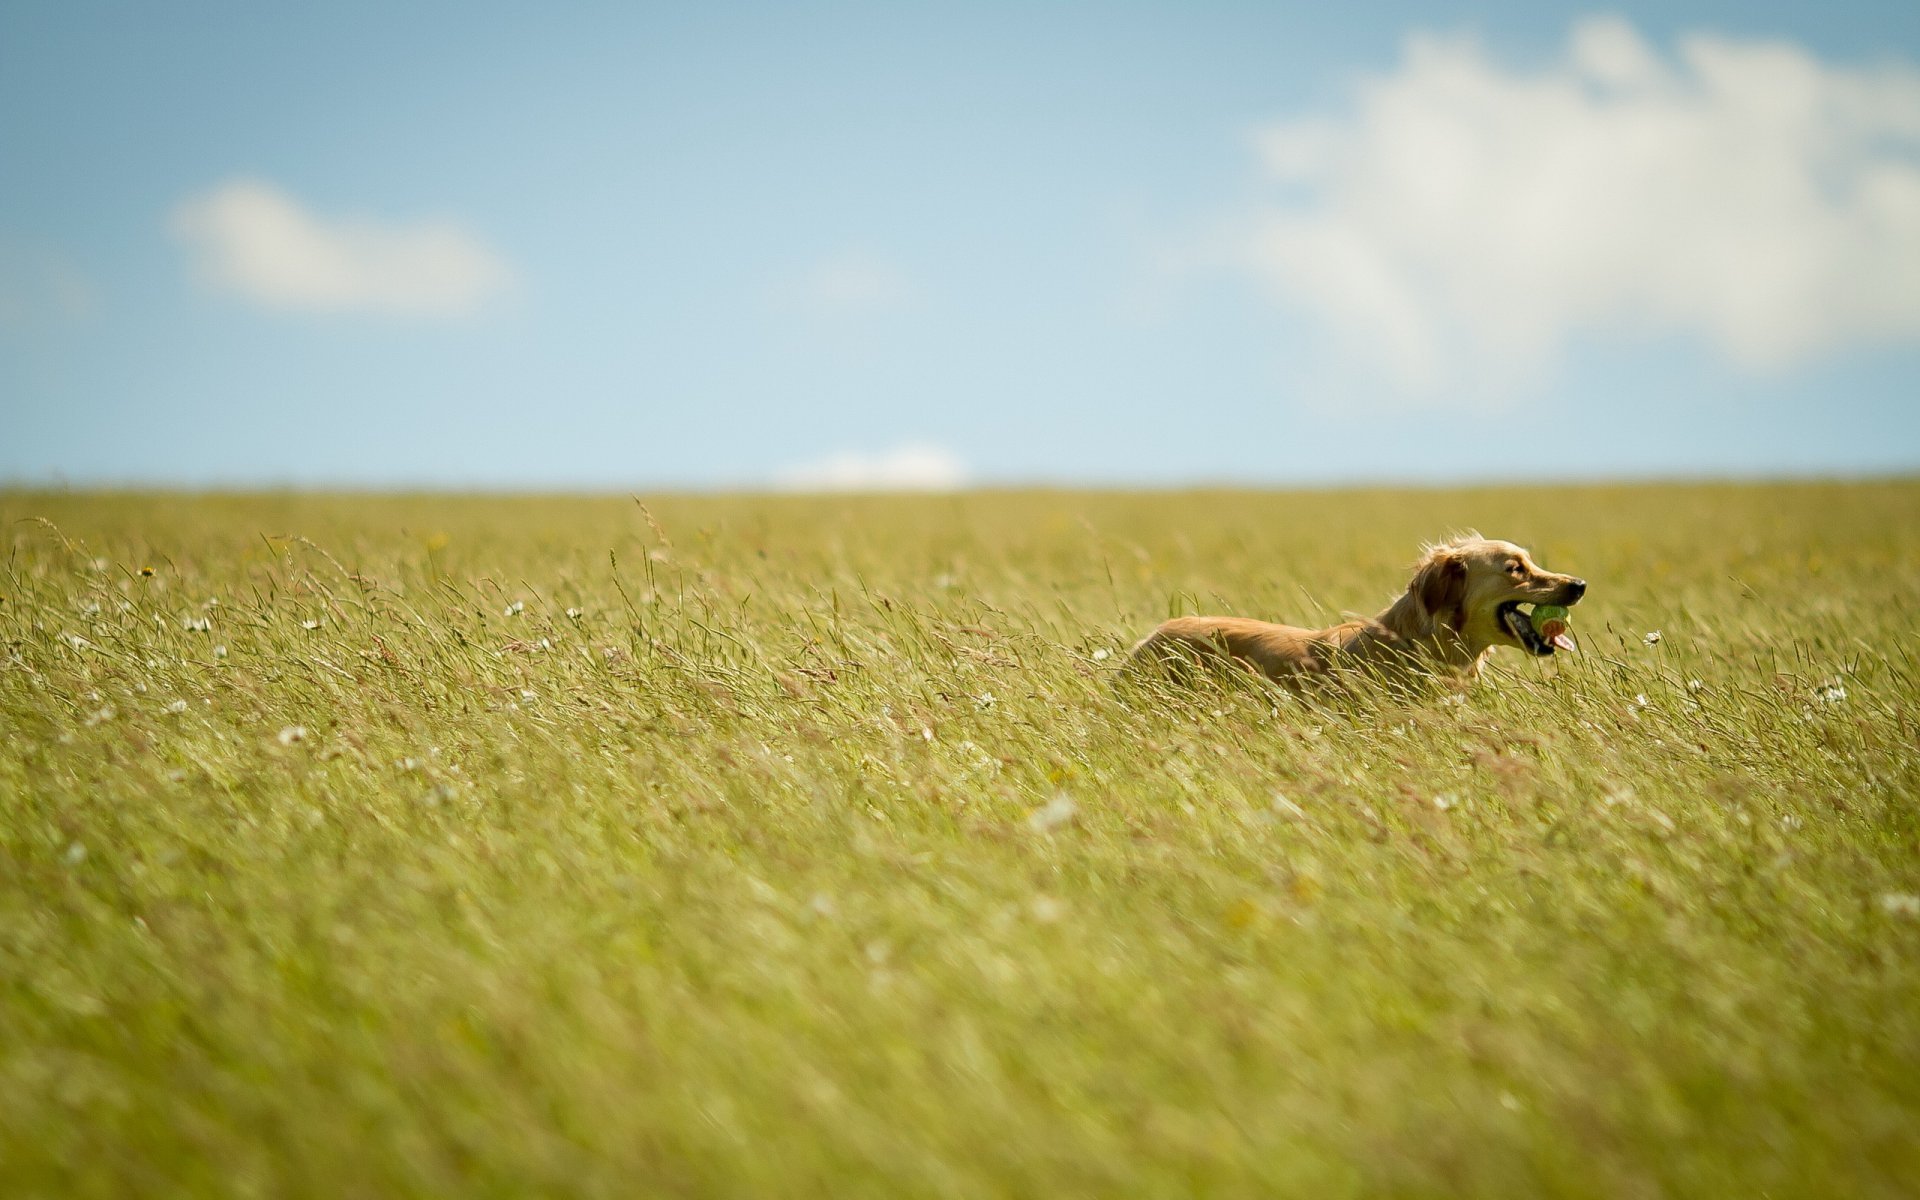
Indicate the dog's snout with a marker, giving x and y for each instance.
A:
(1575, 589)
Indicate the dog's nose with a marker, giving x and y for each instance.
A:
(1576, 589)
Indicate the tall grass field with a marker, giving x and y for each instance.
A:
(807, 846)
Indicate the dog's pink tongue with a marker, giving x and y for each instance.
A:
(1565, 641)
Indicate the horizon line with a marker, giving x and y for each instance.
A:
(990, 486)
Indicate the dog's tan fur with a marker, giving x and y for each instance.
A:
(1445, 624)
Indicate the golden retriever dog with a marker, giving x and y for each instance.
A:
(1463, 602)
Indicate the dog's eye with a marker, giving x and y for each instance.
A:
(1514, 566)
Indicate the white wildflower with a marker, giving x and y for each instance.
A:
(1053, 814)
(75, 855)
(1652, 638)
(177, 707)
(573, 614)
(1900, 904)
(1831, 693)
(219, 651)
(196, 624)
(1102, 655)
(1445, 801)
(1694, 685)
(984, 700)
(513, 610)
(291, 734)
(926, 733)
(310, 624)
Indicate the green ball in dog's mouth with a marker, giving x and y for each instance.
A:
(1550, 621)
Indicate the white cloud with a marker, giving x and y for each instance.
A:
(255, 240)
(916, 467)
(853, 283)
(1462, 222)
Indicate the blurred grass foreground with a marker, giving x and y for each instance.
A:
(361, 846)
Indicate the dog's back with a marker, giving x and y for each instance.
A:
(1280, 652)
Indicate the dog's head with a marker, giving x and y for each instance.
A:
(1475, 587)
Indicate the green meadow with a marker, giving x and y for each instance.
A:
(805, 846)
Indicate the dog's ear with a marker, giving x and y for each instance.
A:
(1440, 585)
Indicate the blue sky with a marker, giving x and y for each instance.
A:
(797, 245)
